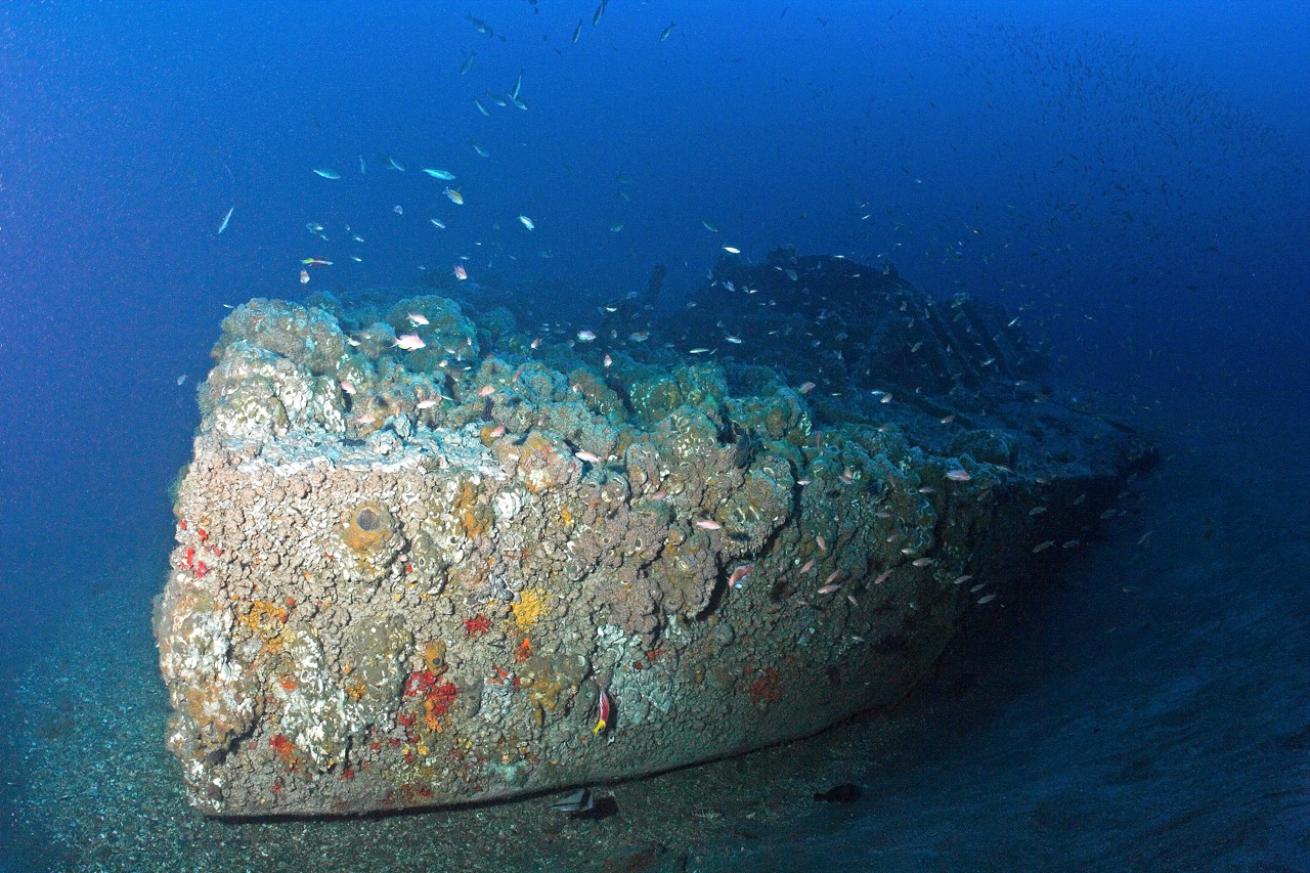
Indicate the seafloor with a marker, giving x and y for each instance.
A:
(1150, 711)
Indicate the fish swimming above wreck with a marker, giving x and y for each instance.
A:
(380, 601)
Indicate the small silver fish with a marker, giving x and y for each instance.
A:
(480, 26)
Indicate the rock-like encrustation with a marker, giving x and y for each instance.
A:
(407, 578)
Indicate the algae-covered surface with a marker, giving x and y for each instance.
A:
(430, 552)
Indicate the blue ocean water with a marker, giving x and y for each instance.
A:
(1132, 179)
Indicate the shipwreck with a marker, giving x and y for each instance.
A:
(527, 557)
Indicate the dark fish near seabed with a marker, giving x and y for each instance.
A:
(847, 792)
(575, 802)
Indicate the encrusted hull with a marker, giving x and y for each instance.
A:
(423, 608)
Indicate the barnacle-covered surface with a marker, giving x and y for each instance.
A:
(405, 578)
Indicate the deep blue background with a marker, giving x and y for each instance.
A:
(1136, 179)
